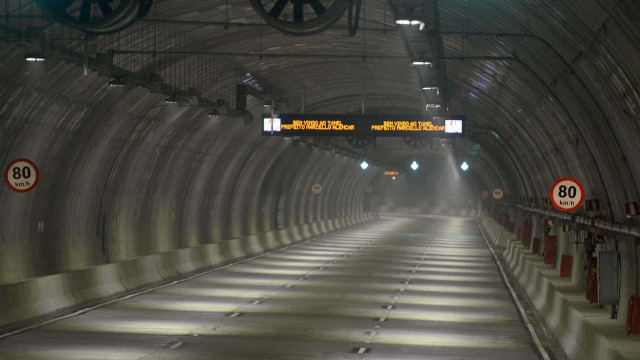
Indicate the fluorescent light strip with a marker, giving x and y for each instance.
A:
(409, 22)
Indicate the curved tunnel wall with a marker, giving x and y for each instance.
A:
(563, 97)
(123, 176)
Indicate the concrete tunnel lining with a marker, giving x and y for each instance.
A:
(130, 186)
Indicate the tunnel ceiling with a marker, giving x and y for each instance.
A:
(549, 88)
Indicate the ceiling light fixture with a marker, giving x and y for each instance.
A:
(364, 165)
(410, 23)
(34, 57)
(414, 166)
(117, 82)
(464, 166)
(172, 100)
(421, 63)
(437, 89)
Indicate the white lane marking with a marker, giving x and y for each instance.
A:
(176, 345)
(362, 350)
(525, 318)
(234, 314)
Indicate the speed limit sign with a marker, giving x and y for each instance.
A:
(567, 194)
(316, 189)
(21, 175)
(497, 194)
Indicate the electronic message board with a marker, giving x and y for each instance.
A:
(361, 125)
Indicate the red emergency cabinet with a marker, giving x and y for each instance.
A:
(566, 264)
(550, 249)
(526, 236)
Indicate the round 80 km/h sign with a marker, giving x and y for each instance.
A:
(497, 194)
(316, 189)
(567, 194)
(21, 175)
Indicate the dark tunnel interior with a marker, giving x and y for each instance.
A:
(143, 122)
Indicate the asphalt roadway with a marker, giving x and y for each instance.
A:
(396, 288)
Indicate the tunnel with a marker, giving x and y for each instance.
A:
(321, 179)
